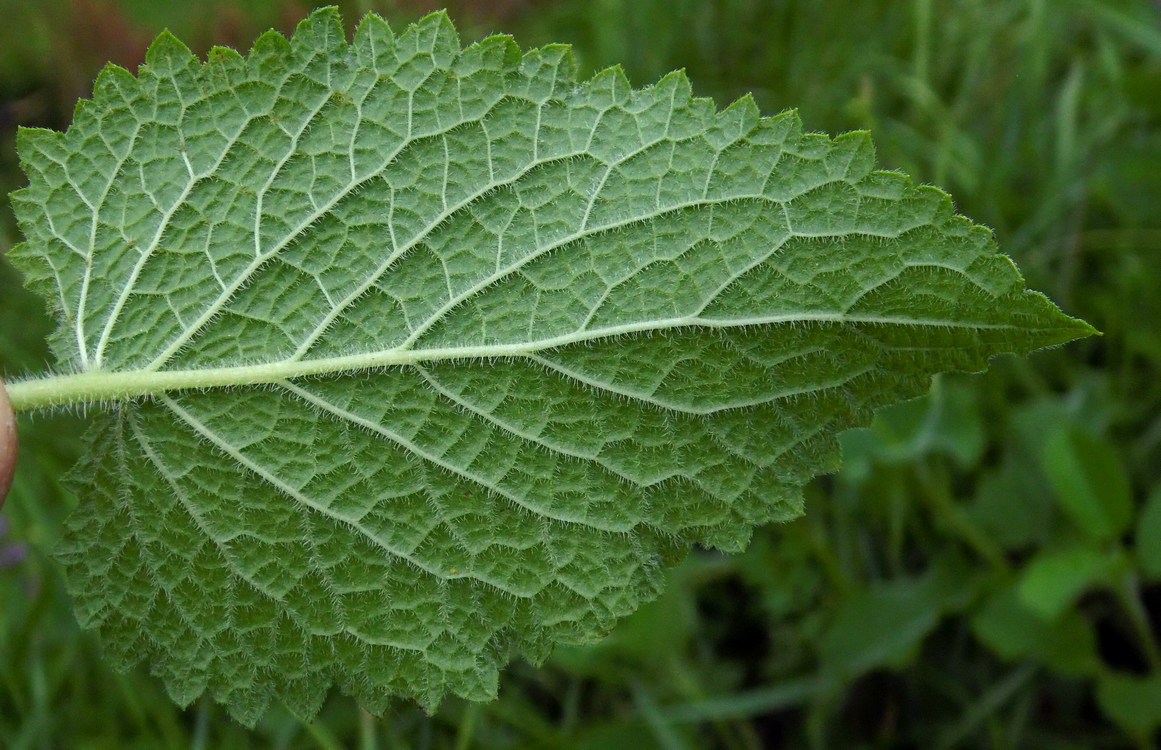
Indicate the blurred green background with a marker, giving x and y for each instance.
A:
(986, 570)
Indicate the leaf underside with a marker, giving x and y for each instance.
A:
(516, 343)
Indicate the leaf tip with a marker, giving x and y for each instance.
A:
(610, 87)
(745, 109)
(269, 45)
(438, 34)
(168, 54)
(438, 19)
(321, 30)
(551, 68)
(1081, 328)
(31, 141)
(223, 56)
(374, 41)
(111, 80)
(678, 82)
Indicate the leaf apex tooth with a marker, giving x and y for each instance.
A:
(270, 44)
(221, 55)
(168, 54)
(374, 40)
(746, 108)
(321, 17)
(611, 86)
(111, 78)
(321, 30)
(439, 21)
(679, 81)
(29, 140)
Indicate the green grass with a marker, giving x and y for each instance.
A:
(890, 616)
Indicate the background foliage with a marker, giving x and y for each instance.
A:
(985, 571)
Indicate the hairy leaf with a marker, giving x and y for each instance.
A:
(417, 357)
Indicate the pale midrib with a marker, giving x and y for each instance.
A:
(102, 386)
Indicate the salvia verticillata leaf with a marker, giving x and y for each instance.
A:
(415, 357)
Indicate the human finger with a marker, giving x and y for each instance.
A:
(8, 444)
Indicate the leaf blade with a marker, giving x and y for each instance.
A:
(448, 355)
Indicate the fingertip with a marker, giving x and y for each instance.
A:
(8, 444)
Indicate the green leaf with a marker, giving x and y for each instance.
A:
(1054, 580)
(1016, 632)
(1090, 483)
(885, 624)
(1015, 506)
(413, 357)
(1133, 702)
(1149, 536)
(946, 420)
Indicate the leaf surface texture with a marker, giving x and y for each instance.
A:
(484, 348)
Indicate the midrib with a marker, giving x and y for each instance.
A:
(95, 387)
